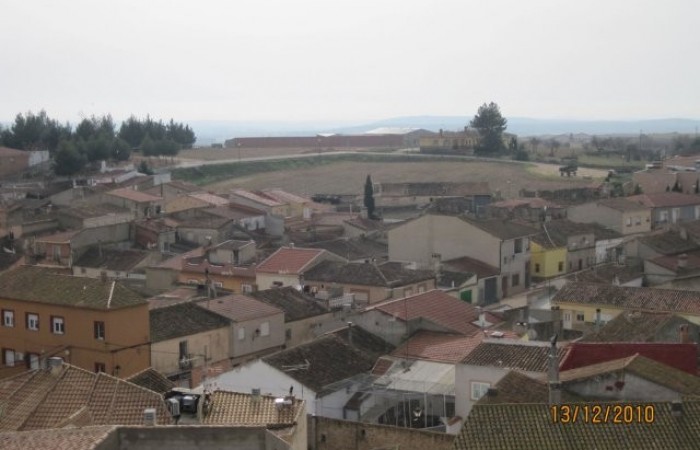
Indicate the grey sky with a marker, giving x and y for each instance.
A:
(355, 60)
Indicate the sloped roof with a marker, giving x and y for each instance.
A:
(435, 346)
(521, 426)
(502, 229)
(152, 380)
(84, 438)
(622, 204)
(671, 262)
(111, 259)
(516, 387)
(239, 308)
(653, 371)
(366, 274)
(631, 298)
(44, 286)
(283, 196)
(330, 359)
(634, 327)
(438, 307)
(665, 199)
(237, 409)
(296, 305)
(354, 249)
(211, 199)
(257, 198)
(680, 356)
(607, 274)
(529, 357)
(86, 211)
(669, 243)
(41, 399)
(183, 319)
(289, 260)
(471, 265)
(134, 195)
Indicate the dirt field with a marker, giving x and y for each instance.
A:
(213, 154)
(349, 177)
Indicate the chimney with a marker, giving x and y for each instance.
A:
(54, 365)
(149, 417)
(682, 261)
(553, 374)
(291, 245)
(350, 333)
(683, 334)
(556, 320)
(677, 408)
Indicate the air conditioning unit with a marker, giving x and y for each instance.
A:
(174, 407)
(149, 417)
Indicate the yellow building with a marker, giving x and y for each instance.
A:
(582, 304)
(98, 325)
(548, 258)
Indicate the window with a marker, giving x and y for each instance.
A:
(246, 288)
(561, 266)
(32, 321)
(629, 221)
(58, 325)
(241, 334)
(580, 317)
(637, 220)
(421, 288)
(265, 329)
(8, 318)
(515, 280)
(99, 328)
(183, 350)
(8, 357)
(288, 334)
(567, 317)
(100, 367)
(218, 284)
(537, 268)
(518, 246)
(479, 389)
(407, 292)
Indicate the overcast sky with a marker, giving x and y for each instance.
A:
(350, 60)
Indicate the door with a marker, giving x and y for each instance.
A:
(504, 286)
(490, 290)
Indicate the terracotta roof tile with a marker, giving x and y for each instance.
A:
(152, 380)
(43, 286)
(260, 199)
(289, 260)
(56, 439)
(516, 387)
(512, 355)
(68, 395)
(434, 346)
(134, 195)
(632, 298)
(183, 319)
(526, 426)
(232, 408)
(296, 305)
(622, 204)
(635, 327)
(665, 200)
(471, 265)
(681, 356)
(239, 308)
(366, 274)
(438, 307)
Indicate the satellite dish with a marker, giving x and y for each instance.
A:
(531, 334)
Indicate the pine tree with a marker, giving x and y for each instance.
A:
(369, 197)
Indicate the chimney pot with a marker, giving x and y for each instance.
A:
(677, 408)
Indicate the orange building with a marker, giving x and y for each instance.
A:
(98, 325)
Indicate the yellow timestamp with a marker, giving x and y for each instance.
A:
(620, 414)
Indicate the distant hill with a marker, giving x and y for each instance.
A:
(209, 132)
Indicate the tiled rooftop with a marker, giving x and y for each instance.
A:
(516, 387)
(648, 369)
(471, 265)
(84, 438)
(438, 307)
(665, 200)
(183, 319)
(330, 359)
(366, 274)
(40, 285)
(89, 211)
(503, 229)
(152, 380)
(635, 327)
(630, 298)
(296, 305)
(239, 308)
(289, 260)
(354, 249)
(41, 399)
(512, 355)
(622, 204)
(530, 426)
(681, 356)
(262, 200)
(669, 243)
(607, 274)
(434, 346)
(232, 408)
(212, 199)
(111, 259)
(133, 195)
